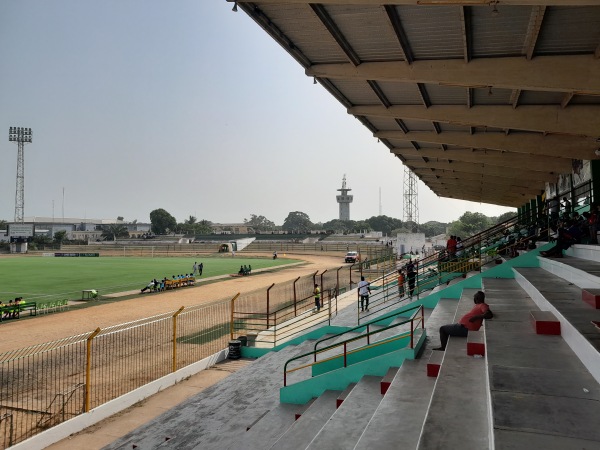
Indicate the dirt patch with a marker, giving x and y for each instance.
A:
(23, 333)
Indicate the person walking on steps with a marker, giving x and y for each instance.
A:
(363, 291)
(317, 293)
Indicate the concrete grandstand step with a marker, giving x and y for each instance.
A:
(301, 433)
(563, 298)
(218, 416)
(442, 314)
(398, 420)
(449, 422)
(386, 381)
(536, 381)
(267, 430)
(584, 273)
(346, 425)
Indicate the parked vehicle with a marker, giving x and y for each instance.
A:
(352, 257)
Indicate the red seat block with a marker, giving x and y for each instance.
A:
(591, 296)
(544, 322)
(434, 363)
(386, 381)
(475, 343)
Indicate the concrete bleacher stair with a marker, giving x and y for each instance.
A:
(219, 415)
(459, 400)
(345, 426)
(528, 391)
(301, 433)
(538, 386)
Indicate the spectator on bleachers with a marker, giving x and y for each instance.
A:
(568, 234)
(593, 223)
(411, 273)
(400, 283)
(451, 247)
(471, 321)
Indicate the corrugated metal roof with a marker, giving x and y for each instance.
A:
(432, 32)
(569, 30)
(367, 31)
(499, 34)
(458, 55)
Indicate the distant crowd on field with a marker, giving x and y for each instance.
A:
(188, 279)
(11, 309)
(245, 270)
(175, 281)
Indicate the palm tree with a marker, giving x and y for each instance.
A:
(113, 231)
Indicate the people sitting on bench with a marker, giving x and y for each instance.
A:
(149, 287)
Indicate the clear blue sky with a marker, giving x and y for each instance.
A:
(187, 106)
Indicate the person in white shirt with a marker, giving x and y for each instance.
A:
(363, 291)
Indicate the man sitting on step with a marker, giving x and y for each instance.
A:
(471, 321)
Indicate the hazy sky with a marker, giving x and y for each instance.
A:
(187, 106)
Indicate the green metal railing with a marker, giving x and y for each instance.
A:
(412, 320)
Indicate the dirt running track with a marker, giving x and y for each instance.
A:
(16, 334)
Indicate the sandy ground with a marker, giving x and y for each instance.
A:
(17, 334)
(24, 333)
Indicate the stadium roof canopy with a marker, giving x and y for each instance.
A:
(484, 100)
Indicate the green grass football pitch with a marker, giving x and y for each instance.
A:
(51, 278)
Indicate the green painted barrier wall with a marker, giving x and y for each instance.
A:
(302, 392)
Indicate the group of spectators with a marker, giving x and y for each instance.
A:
(245, 270)
(175, 281)
(407, 275)
(574, 228)
(10, 310)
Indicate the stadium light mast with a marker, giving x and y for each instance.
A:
(21, 136)
(411, 200)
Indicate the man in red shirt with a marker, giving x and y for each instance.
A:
(471, 321)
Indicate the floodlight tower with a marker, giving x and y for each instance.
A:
(344, 200)
(21, 136)
(411, 200)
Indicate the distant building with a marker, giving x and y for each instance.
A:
(344, 200)
(81, 229)
(231, 228)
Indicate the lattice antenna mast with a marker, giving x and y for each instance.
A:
(411, 200)
(21, 136)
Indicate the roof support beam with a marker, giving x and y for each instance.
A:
(570, 73)
(533, 30)
(400, 34)
(430, 174)
(583, 120)
(465, 25)
(530, 143)
(482, 169)
(456, 184)
(490, 157)
(324, 17)
(484, 3)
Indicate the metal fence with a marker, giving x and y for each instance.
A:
(44, 385)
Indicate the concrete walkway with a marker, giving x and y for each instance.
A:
(117, 426)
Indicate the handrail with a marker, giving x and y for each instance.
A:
(373, 322)
(362, 336)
